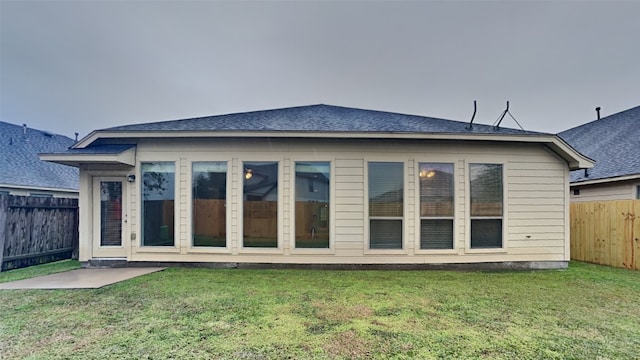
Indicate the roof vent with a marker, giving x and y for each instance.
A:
(475, 108)
(24, 129)
(496, 124)
(48, 133)
(598, 112)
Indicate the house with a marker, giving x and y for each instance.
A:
(323, 185)
(614, 142)
(21, 170)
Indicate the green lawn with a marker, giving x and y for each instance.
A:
(585, 312)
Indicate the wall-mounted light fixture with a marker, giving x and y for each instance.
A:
(131, 178)
(248, 174)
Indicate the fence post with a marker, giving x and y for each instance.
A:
(4, 202)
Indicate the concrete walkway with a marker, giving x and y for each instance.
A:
(80, 279)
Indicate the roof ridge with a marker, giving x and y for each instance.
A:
(610, 117)
(266, 119)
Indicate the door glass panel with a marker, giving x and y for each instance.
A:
(110, 213)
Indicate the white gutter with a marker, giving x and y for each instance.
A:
(606, 180)
(559, 146)
(126, 157)
(38, 188)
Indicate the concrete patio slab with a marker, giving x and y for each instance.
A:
(80, 279)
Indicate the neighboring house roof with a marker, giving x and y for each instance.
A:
(613, 141)
(20, 165)
(319, 121)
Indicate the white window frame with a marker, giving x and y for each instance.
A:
(240, 200)
(291, 240)
(505, 191)
(139, 247)
(405, 211)
(109, 250)
(456, 205)
(189, 178)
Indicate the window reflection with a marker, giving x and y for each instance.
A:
(260, 204)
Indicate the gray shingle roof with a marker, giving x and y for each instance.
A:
(321, 118)
(613, 141)
(102, 149)
(20, 165)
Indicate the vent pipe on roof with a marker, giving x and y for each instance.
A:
(475, 108)
(76, 137)
(24, 129)
(598, 112)
(497, 126)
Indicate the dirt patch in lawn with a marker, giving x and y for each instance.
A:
(348, 344)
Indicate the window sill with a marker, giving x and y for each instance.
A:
(257, 250)
(437, 252)
(486, 251)
(157, 249)
(312, 251)
(386, 252)
(209, 250)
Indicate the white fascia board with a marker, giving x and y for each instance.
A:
(606, 180)
(573, 158)
(127, 157)
(38, 188)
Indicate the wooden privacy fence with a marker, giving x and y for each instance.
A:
(607, 233)
(35, 230)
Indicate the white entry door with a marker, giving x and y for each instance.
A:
(109, 217)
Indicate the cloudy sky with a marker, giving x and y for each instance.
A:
(71, 66)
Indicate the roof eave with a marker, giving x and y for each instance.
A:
(606, 180)
(103, 134)
(574, 159)
(38, 188)
(126, 157)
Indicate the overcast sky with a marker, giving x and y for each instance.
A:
(79, 66)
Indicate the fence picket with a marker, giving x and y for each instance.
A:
(35, 230)
(606, 232)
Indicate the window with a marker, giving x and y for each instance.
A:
(638, 192)
(158, 194)
(260, 204)
(312, 204)
(436, 205)
(110, 213)
(386, 205)
(209, 194)
(486, 205)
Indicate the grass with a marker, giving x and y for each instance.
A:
(33, 271)
(585, 312)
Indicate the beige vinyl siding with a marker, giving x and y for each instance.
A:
(535, 199)
(618, 190)
(349, 196)
(537, 205)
